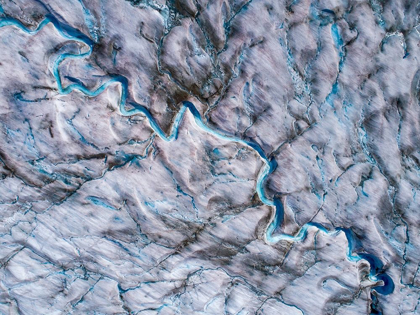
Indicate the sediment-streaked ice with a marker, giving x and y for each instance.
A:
(209, 157)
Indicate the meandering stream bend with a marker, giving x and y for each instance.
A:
(377, 272)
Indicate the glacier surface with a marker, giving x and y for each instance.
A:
(209, 157)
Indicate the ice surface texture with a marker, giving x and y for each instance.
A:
(209, 157)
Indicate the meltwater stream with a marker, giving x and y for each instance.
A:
(377, 272)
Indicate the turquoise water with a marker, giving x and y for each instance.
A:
(376, 266)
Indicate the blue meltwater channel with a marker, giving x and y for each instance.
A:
(377, 272)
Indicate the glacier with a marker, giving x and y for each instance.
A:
(214, 157)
